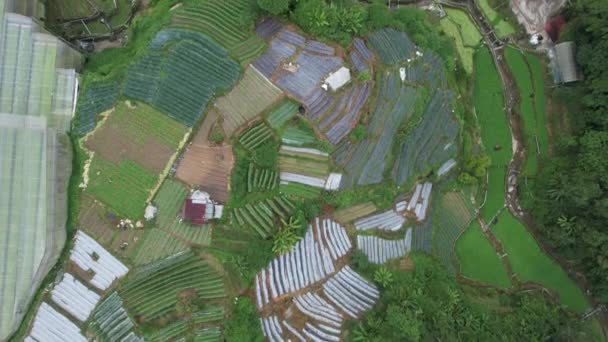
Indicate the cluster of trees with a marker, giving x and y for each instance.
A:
(570, 202)
(428, 304)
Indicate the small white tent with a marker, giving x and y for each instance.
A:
(338, 78)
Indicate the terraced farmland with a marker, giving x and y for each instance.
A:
(282, 113)
(225, 22)
(256, 136)
(453, 216)
(97, 98)
(152, 292)
(253, 95)
(138, 133)
(183, 82)
(124, 187)
(262, 217)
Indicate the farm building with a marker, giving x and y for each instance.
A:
(199, 208)
(566, 63)
(338, 79)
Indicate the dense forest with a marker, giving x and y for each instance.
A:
(571, 197)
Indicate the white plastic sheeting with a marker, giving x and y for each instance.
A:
(304, 150)
(311, 260)
(91, 256)
(379, 250)
(307, 180)
(51, 326)
(350, 292)
(338, 79)
(74, 297)
(333, 181)
(446, 167)
(389, 220)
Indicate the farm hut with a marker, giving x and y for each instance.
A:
(199, 208)
(337, 79)
(566, 64)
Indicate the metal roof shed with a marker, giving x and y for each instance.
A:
(566, 62)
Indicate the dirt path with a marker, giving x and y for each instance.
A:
(511, 103)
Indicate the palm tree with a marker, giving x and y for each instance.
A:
(383, 276)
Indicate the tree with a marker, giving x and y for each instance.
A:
(274, 7)
(383, 276)
(286, 238)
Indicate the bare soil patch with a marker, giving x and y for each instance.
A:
(207, 167)
(114, 144)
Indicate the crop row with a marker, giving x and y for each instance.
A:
(256, 136)
(392, 46)
(262, 216)
(110, 319)
(300, 190)
(282, 113)
(221, 21)
(98, 97)
(261, 179)
(295, 136)
(169, 333)
(156, 244)
(155, 293)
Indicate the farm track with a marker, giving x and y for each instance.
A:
(512, 100)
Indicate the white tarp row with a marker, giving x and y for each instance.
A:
(272, 329)
(304, 150)
(307, 180)
(74, 297)
(389, 220)
(350, 292)
(446, 167)
(51, 326)
(333, 181)
(91, 256)
(311, 260)
(419, 203)
(379, 250)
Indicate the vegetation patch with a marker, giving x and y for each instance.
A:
(501, 25)
(530, 263)
(478, 259)
(125, 187)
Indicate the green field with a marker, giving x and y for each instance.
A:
(530, 263)
(495, 131)
(459, 26)
(124, 188)
(528, 74)
(502, 27)
(478, 259)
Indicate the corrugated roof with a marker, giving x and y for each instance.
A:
(566, 62)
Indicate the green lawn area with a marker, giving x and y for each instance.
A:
(478, 259)
(531, 264)
(502, 27)
(465, 53)
(531, 88)
(124, 188)
(469, 32)
(459, 26)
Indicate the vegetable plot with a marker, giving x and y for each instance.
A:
(98, 97)
(225, 22)
(152, 292)
(261, 179)
(379, 250)
(111, 322)
(256, 136)
(262, 216)
(282, 113)
(181, 82)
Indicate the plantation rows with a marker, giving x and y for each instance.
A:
(97, 98)
(261, 179)
(110, 320)
(169, 333)
(306, 162)
(156, 244)
(262, 216)
(125, 187)
(281, 114)
(392, 46)
(207, 335)
(453, 215)
(252, 95)
(364, 162)
(272, 58)
(181, 83)
(295, 136)
(311, 71)
(256, 136)
(222, 21)
(431, 143)
(153, 291)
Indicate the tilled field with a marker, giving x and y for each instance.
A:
(209, 168)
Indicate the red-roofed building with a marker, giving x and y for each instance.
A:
(199, 208)
(554, 27)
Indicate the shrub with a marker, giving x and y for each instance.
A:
(216, 136)
(266, 155)
(243, 324)
(358, 133)
(274, 7)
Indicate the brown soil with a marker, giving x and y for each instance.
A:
(207, 167)
(114, 144)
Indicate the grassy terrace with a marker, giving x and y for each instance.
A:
(531, 264)
(501, 25)
(461, 28)
(478, 259)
